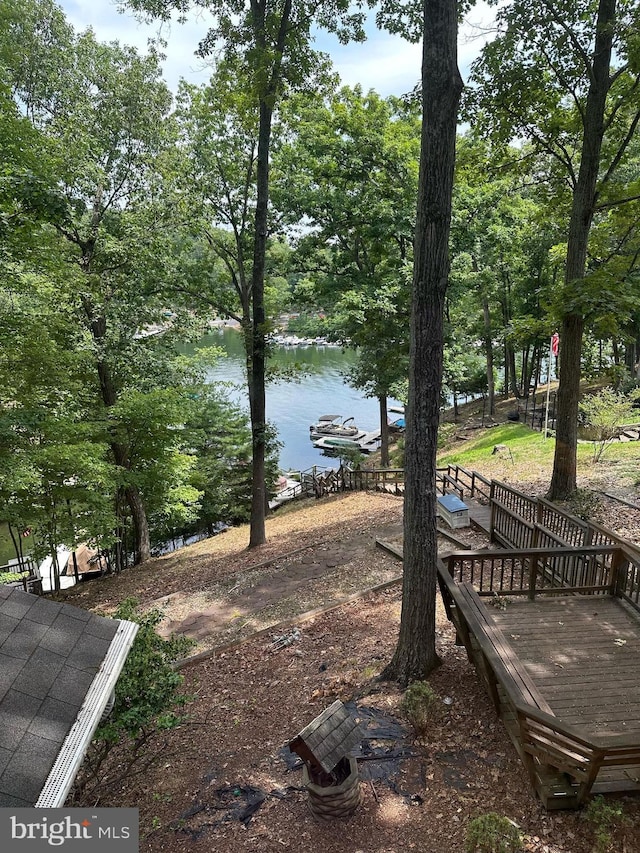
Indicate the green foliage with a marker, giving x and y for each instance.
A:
(147, 699)
(307, 325)
(351, 456)
(606, 818)
(604, 413)
(12, 577)
(584, 503)
(147, 691)
(420, 705)
(491, 833)
(351, 171)
(564, 82)
(220, 437)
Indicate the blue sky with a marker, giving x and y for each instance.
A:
(385, 63)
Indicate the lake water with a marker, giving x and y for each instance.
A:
(293, 405)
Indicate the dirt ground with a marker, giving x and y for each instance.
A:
(225, 780)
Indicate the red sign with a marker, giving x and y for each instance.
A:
(555, 343)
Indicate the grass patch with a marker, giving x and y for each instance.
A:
(520, 439)
(530, 457)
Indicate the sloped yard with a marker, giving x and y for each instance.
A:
(225, 782)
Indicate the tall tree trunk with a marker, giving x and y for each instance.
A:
(415, 655)
(384, 431)
(257, 396)
(510, 378)
(488, 347)
(121, 457)
(630, 357)
(120, 451)
(507, 367)
(135, 503)
(616, 350)
(525, 377)
(564, 477)
(140, 523)
(513, 379)
(15, 545)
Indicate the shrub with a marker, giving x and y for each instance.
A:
(147, 697)
(584, 503)
(606, 818)
(12, 577)
(419, 705)
(604, 413)
(491, 833)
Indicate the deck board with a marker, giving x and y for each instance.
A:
(479, 514)
(568, 646)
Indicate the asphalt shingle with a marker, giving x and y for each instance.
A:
(29, 767)
(49, 656)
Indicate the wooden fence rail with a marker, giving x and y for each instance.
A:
(518, 521)
(550, 571)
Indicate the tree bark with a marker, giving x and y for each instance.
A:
(257, 396)
(140, 523)
(415, 655)
(120, 451)
(564, 476)
(512, 385)
(488, 347)
(384, 431)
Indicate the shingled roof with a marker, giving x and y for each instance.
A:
(58, 667)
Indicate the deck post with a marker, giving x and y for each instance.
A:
(491, 510)
(533, 571)
(450, 565)
(617, 563)
(533, 568)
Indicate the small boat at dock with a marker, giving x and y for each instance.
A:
(335, 427)
(332, 445)
(366, 442)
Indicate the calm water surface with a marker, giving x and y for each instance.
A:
(292, 405)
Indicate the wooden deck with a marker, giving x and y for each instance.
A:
(583, 654)
(479, 515)
(555, 635)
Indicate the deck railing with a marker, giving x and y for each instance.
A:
(532, 571)
(464, 482)
(376, 479)
(519, 521)
(548, 534)
(319, 482)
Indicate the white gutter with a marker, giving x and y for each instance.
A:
(75, 746)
